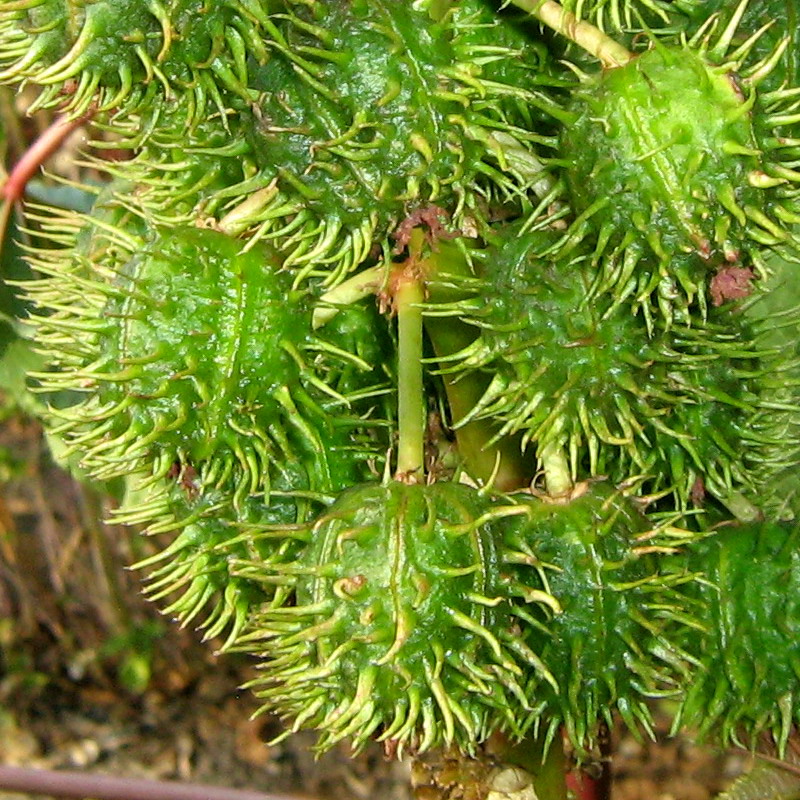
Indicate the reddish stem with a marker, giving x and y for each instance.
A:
(794, 769)
(583, 787)
(78, 785)
(53, 137)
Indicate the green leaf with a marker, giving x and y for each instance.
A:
(17, 357)
(13, 267)
(73, 198)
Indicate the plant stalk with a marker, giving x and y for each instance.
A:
(13, 188)
(582, 33)
(500, 462)
(365, 283)
(557, 477)
(408, 297)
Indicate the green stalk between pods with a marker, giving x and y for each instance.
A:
(584, 34)
(408, 297)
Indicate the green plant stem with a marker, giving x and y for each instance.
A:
(408, 297)
(501, 462)
(740, 507)
(238, 219)
(365, 283)
(556, 470)
(584, 34)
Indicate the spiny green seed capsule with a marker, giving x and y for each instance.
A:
(183, 349)
(678, 162)
(604, 640)
(194, 572)
(203, 571)
(397, 628)
(776, 19)
(579, 371)
(372, 117)
(129, 54)
(744, 668)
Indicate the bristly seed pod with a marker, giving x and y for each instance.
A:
(133, 55)
(677, 165)
(180, 349)
(743, 672)
(397, 628)
(608, 643)
(582, 372)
